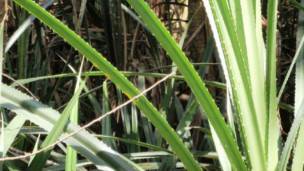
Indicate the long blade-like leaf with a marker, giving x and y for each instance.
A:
(273, 130)
(40, 160)
(45, 117)
(124, 84)
(298, 157)
(192, 78)
(292, 135)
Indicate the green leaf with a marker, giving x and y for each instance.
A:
(10, 133)
(298, 157)
(71, 157)
(58, 129)
(239, 68)
(45, 117)
(106, 123)
(192, 78)
(273, 130)
(291, 139)
(120, 81)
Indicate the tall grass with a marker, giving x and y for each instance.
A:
(127, 87)
(251, 139)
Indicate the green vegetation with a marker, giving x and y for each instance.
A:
(179, 123)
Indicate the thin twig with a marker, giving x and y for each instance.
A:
(22, 86)
(89, 124)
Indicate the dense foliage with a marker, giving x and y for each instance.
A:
(151, 85)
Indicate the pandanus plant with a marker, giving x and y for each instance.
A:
(249, 141)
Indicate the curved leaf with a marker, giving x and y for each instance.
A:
(116, 77)
(45, 117)
(193, 79)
